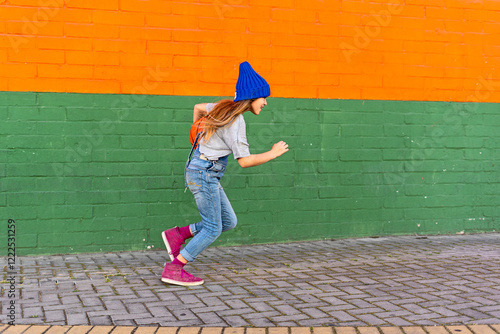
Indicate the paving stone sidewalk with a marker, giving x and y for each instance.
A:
(62, 329)
(390, 281)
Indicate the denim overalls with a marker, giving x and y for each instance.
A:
(217, 215)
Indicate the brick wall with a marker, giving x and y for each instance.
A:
(104, 172)
(426, 50)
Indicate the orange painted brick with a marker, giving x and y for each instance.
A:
(172, 21)
(444, 60)
(303, 91)
(278, 14)
(89, 86)
(277, 52)
(212, 49)
(34, 28)
(160, 47)
(428, 47)
(331, 55)
(216, 76)
(141, 59)
(334, 17)
(261, 26)
(282, 78)
(440, 12)
(491, 28)
(120, 46)
(94, 4)
(73, 15)
(91, 30)
(323, 79)
(462, 26)
(310, 54)
(294, 40)
(319, 29)
(247, 39)
(150, 6)
(224, 9)
(37, 56)
(194, 9)
(65, 71)
(132, 33)
(379, 93)
(159, 34)
(482, 15)
(97, 58)
(35, 85)
(196, 36)
(301, 66)
(18, 70)
(275, 3)
(399, 81)
(24, 2)
(118, 73)
(197, 62)
(10, 12)
(362, 80)
(138, 87)
(3, 56)
(260, 12)
(462, 4)
(491, 5)
(118, 18)
(227, 24)
(439, 3)
(425, 71)
(17, 42)
(336, 67)
(68, 43)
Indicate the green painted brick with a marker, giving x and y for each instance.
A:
(114, 173)
(360, 155)
(364, 130)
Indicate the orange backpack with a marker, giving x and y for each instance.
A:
(195, 131)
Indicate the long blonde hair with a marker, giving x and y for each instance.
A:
(224, 113)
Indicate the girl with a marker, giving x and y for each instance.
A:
(224, 133)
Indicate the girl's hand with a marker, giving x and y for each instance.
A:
(279, 148)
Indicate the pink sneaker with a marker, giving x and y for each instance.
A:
(173, 240)
(175, 274)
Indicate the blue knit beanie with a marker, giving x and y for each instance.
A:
(250, 85)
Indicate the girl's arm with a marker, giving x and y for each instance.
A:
(258, 159)
(200, 110)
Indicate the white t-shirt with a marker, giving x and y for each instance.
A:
(226, 140)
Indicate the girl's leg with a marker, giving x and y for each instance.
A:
(229, 219)
(208, 199)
